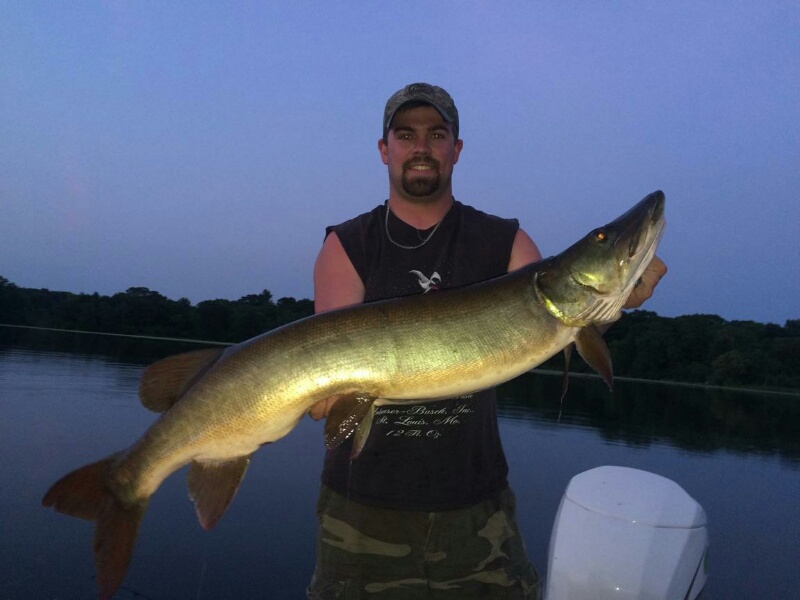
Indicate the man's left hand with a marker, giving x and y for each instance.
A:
(647, 283)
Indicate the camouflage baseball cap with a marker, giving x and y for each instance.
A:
(422, 92)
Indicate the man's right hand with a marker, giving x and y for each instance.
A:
(322, 409)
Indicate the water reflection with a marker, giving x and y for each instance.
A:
(737, 454)
(642, 413)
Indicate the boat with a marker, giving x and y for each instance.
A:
(625, 534)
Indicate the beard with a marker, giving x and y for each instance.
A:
(421, 187)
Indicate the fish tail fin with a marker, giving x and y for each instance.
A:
(83, 494)
(114, 539)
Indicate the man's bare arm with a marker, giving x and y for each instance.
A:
(336, 284)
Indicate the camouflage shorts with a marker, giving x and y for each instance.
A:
(381, 554)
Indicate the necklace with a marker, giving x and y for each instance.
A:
(403, 246)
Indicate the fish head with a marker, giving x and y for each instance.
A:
(591, 280)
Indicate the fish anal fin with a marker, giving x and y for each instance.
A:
(593, 349)
(345, 418)
(212, 486)
(164, 381)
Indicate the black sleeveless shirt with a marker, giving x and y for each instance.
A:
(440, 455)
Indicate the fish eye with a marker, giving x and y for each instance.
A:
(599, 235)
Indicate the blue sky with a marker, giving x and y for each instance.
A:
(200, 148)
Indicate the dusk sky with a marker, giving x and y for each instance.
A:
(200, 148)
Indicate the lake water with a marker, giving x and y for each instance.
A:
(738, 454)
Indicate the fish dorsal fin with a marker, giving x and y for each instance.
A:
(164, 381)
(351, 413)
(212, 486)
(593, 350)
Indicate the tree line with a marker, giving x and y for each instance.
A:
(704, 349)
(141, 311)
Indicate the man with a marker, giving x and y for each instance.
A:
(425, 511)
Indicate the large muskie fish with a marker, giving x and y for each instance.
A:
(219, 405)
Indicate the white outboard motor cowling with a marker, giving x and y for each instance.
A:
(622, 534)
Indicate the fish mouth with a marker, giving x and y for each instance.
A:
(658, 209)
(640, 234)
(640, 240)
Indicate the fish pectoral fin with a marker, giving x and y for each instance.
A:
(362, 432)
(592, 348)
(164, 381)
(212, 486)
(351, 413)
(565, 376)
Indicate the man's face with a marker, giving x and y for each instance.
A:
(420, 152)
